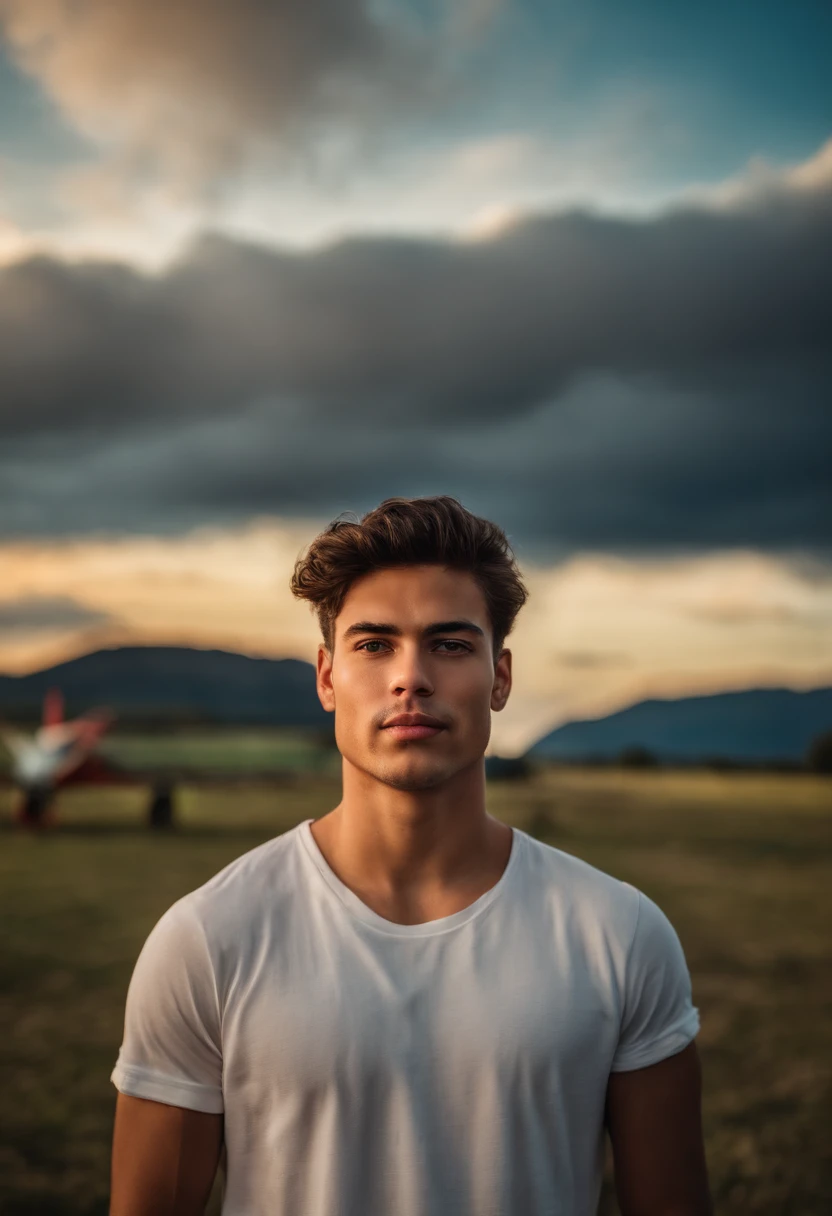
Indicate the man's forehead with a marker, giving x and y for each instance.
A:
(417, 594)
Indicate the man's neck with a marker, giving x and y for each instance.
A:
(414, 856)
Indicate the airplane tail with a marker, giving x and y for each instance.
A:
(53, 707)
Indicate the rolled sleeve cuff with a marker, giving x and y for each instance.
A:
(138, 1082)
(669, 1044)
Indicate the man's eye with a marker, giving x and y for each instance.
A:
(366, 646)
(454, 647)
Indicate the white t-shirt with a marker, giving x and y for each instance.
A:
(453, 1068)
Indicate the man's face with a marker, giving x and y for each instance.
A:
(412, 677)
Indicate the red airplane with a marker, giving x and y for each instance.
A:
(60, 753)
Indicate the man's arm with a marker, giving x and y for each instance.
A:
(164, 1159)
(654, 1118)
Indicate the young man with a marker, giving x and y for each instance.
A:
(407, 1008)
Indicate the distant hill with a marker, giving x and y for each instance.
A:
(764, 724)
(176, 682)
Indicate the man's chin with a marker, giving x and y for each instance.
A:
(411, 779)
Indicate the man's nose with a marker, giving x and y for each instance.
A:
(410, 673)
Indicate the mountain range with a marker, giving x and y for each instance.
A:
(178, 683)
(753, 726)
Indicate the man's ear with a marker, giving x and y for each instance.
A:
(502, 681)
(326, 693)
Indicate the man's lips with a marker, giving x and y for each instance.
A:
(413, 726)
(413, 732)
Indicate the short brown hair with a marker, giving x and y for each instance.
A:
(411, 532)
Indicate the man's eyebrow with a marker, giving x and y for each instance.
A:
(454, 627)
(394, 631)
(372, 627)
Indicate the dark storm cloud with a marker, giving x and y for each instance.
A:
(393, 327)
(594, 381)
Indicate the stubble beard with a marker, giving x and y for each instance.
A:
(410, 782)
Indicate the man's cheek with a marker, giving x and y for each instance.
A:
(349, 683)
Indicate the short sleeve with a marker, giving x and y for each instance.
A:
(659, 1017)
(171, 1050)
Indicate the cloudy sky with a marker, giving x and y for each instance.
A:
(261, 263)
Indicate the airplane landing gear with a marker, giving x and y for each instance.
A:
(160, 815)
(33, 808)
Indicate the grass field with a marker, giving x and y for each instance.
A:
(742, 865)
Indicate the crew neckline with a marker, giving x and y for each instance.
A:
(427, 928)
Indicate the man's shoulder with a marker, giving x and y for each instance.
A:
(243, 889)
(576, 888)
